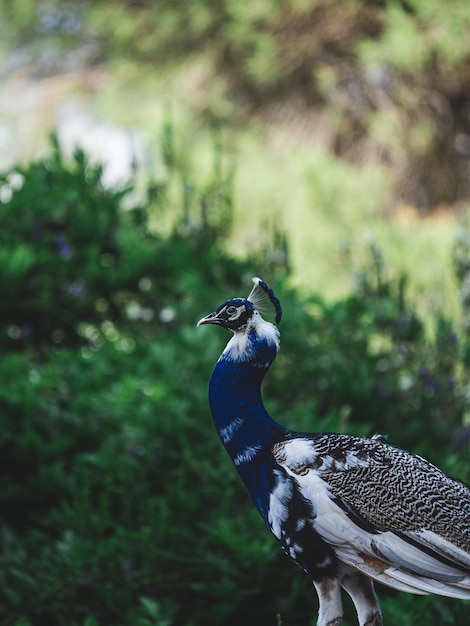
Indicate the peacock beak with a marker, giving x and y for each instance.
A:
(212, 318)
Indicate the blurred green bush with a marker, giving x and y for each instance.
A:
(118, 504)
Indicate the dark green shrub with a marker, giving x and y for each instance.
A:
(74, 265)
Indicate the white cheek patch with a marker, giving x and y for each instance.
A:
(236, 315)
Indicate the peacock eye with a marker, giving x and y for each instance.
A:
(231, 310)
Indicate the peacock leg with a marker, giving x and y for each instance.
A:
(330, 612)
(361, 590)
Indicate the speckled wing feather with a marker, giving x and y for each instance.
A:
(388, 513)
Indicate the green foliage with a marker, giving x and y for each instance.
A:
(374, 76)
(118, 504)
(74, 266)
(420, 32)
(239, 33)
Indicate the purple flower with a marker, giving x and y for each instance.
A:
(64, 247)
(27, 330)
(382, 392)
(462, 439)
(76, 289)
(428, 379)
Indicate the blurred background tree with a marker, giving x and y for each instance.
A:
(322, 145)
(319, 100)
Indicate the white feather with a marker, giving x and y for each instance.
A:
(240, 346)
(298, 452)
(259, 298)
(227, 432)
(246, 455)
(280, 496)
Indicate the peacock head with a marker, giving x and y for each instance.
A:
(237, 313)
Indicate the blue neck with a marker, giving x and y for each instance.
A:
(246, 429)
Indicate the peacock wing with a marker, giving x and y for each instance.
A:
(386, 512)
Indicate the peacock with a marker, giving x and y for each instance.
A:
(348, 510)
